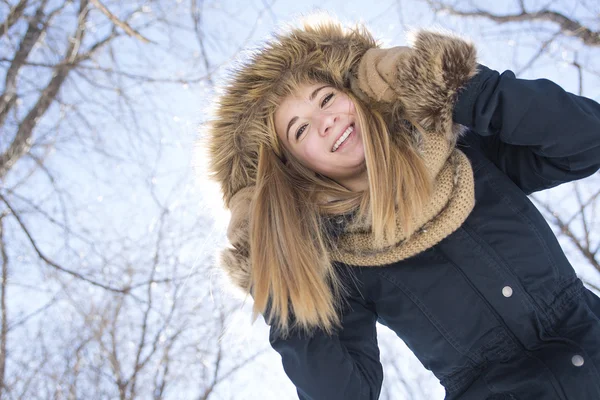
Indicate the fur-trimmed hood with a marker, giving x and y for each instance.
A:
(424, 82)
(322, 52)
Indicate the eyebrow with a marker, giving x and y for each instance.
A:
(293, 120)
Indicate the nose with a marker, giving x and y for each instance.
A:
(326, 122)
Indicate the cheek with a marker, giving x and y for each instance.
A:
(348, 105)
(351, 106)
(310, 152)
(312, 156)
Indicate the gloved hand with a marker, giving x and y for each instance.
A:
(236, 258)
(377, 71)
(423, 79)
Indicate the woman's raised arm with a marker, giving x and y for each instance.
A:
(533, 130)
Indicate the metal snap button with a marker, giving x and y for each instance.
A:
(507, 291)
(577, 360)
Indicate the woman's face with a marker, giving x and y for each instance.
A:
(318, 125)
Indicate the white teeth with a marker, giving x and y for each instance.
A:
(342, 138)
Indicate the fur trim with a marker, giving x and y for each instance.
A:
(428, 83)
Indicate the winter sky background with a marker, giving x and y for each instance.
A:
(127, 164)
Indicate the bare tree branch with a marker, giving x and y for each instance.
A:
(24, 393)
(584, 223)
(156, 344)
(13, 16)
(114, 358)
(219, 377)
(143, 332)
(543, 48)
(584, 206)
(112, 71)
(121, 24)
(566, 230)
(196, 12)
(31, 37)
(76, 368)
(52, 263)
(27, 317)
(576, 64)
(22, 141)
(159, 387)
(3, 310)
(568, 26)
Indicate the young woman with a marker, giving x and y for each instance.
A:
(391, 185)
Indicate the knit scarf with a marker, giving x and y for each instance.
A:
(451, 202)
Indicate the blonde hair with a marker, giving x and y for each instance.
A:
(293, 280)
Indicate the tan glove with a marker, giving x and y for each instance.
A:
(425, 78)
(377, 69)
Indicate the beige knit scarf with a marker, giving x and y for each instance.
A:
(452, 200)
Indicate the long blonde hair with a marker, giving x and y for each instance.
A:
(293, 280)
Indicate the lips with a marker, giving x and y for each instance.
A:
(343, 137)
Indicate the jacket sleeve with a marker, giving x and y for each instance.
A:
(533, 130)
(344, 366)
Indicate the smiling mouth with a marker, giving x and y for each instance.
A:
(343, 138)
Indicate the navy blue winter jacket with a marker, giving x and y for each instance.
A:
(495, 310)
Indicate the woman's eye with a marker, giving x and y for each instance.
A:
(300, 131)
(326, 99)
